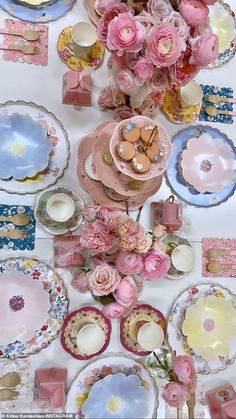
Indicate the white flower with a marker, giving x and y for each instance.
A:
(20, 210)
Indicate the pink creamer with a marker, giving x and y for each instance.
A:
(50, 385)
(77, 89)
(222, 402)
(167, 213)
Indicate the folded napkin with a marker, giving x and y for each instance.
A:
(226, 106)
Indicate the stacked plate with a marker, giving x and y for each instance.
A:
(108, 179)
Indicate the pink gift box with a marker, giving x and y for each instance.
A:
(222, 402)
(77, 89)
(50, 385)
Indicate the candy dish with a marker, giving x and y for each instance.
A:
(24, 147)
(75, 321)
(40, 306)
(176, 338)
(104, 368)
(156, 169)
(66, 54)
(128, 336)
(172, 241)
(50, 225)
(178, 116)
(58, 158)
(174, 176)
(208, 164)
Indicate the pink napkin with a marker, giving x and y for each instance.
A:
(40, 58)
(215, 243)
(67, 252)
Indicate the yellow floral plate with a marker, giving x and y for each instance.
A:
(66, 54)
(185, 116)
(197, 297)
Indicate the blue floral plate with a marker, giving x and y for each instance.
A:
(51, 11)
(173, 174)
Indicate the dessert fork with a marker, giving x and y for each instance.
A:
(28, 34)
(26, 49)
(14, 234)
(11, 379)
(8, 394)
(218, 99)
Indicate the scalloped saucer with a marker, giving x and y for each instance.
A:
(185, 116)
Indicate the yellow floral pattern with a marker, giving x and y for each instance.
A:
(181, 117)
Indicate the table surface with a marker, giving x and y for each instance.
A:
(43, 85)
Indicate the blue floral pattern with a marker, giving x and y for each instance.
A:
(224, 106)
(27, 243)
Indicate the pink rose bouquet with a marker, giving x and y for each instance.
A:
(155, 265)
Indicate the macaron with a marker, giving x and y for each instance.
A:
(155, 153)
(140, 163)
(125, 151)
(131, 132)
(146, 132)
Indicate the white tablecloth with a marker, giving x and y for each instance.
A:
(43, 85)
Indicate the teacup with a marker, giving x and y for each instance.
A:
(182, 258)
(150, 335)
(84, 36)
(90, 338)
(60, 207)
(190, 95)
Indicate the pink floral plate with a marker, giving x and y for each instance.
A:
(77, 319)
(156, 169)
(109, 175)
(128, 326)
(96, 189)
(33, 305)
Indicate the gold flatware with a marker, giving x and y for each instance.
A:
(28, 34)
(214, 253)
(11, 379)
(8, 394)
(191, 405)
(211, 111)
(14, 234)
(218, 99)
(26, 49)
(17, 219)
(215, 267)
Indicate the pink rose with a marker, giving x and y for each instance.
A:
(160, 79)
(80, 282)
(90, 211)
(193, 11)
(122, 61)
(143, 69)
(159, 231)
(175, 394)
(103, 5)
(179, 23)
(148, 108)
(129, 263)
(126, 292)
(159, 8)
(209, 2)
(112, 216)
(125, 80)
(156, 265)
(103, 280)
(205, 49)
(184, 369)
(129, 235)
(123, 112)
(107, 17)
(164, 45)
(182, 72)
(124, 33)
(145, 245)
(96, 237)
(113, 310)
(110, 98)
(146, 20)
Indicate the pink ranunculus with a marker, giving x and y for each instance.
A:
(129, 235)
(160, 79)
(209, 2)
(184, 369)
(182, 72)
(143, 69)
(126, 292)
(148, 108)
(160, 9)
(205, 49)
(107, 17)
(145, 245)
(103, 280)
(80, 282)
(103, 5)
(125, 34)
(159, 245)
(122, 61)
(113, 310)
(125, 80)
(164, 45)
(90, 211)
(175, 394)
(96, 237)
(110, 98)
(123, 112)
(194, 12)
(129, 263)
(179, 23)
(155, 265)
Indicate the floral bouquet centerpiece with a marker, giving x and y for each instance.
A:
(119, 255)
(154, 47)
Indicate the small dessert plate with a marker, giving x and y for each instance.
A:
(50, 225)
(75, 322)
(184, 116)
(172, 241)
(128, 325)
(66, 54)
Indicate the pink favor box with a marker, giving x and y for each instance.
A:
(77, 89)
(222, 402)
(50, 385)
